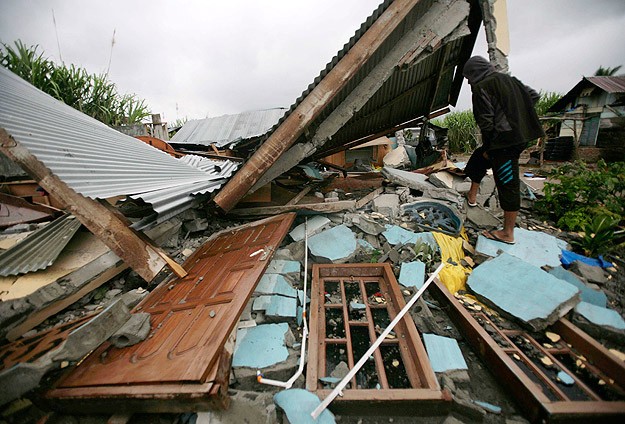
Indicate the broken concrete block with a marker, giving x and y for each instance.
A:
(596, 297)
(368, 226)
(396, 158)
(412, 274)
(395, 235)
(419, 182)
(534, 297)
(387, 205)
(199, 224)
(489, 407)
(314, 225)
(276, 306)
(442, 179)
(600, 322)
(533, 247)
(444, 353)
(298, 404)
(22, 378)
(482, 218)
(133, 331)
(337, 244)
(368, 247)
(275, 284)
(593, 274)
(260, 346)
(280, 266)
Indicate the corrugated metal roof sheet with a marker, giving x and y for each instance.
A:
(40, 249)
(609, 84)
(412, 91)
(170, 202)
(93, 159)
(228, 129)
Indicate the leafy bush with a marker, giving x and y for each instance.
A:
(461, 131)
(598, 235)
(92, 94)
(578, 193)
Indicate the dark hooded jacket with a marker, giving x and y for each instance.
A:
(503, 107)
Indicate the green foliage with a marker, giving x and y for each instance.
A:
(599, 235)
(578, 195)
(461, 131)
(607, 71)
(547, 99)
(92, 94)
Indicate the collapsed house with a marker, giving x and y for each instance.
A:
(237, 311)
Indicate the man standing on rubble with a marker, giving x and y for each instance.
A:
(504, 110)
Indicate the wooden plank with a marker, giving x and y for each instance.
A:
(313, 104)
(191, 321)
(142, 257)
(331, 207)
(369, 197)
(299, 196)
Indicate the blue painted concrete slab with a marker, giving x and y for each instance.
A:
(412, 274)
(596, 297)
(268, 339)
(280, 266)
(365, 245)
(298, 404)
(300, 296)
(335, 244)
(395, 235)
(275, 284)
(281, 307)
(533, 247)
(276, 306)
(313, 226)
(523, 290)
(444, 353)
(565, 378)
(600, 316)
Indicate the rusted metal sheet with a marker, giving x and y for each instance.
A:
(350, 306)
(191, 320)
(528, 364)
(14, 210)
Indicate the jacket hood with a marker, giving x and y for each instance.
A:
(476, 69)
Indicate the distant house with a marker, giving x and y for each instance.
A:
(593, 114)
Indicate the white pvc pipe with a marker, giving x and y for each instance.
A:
(300, 369)
(339, 388)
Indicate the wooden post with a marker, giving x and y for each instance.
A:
(144, 258)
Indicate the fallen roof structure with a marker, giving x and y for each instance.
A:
(228, 130)
(400, 65)
(79, 159)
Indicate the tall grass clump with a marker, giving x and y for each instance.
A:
(461, 131)
(93, 94)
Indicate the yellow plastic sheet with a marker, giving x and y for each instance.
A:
(454, 277)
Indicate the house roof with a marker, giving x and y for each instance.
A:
(614, 84)
(228, 129)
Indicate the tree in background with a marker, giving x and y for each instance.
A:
(607, 72)
(93, 94)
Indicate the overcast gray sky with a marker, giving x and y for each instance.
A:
(208, 58)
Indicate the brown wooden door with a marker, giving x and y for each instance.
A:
(191, 317)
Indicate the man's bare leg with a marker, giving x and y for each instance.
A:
(472, 193)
